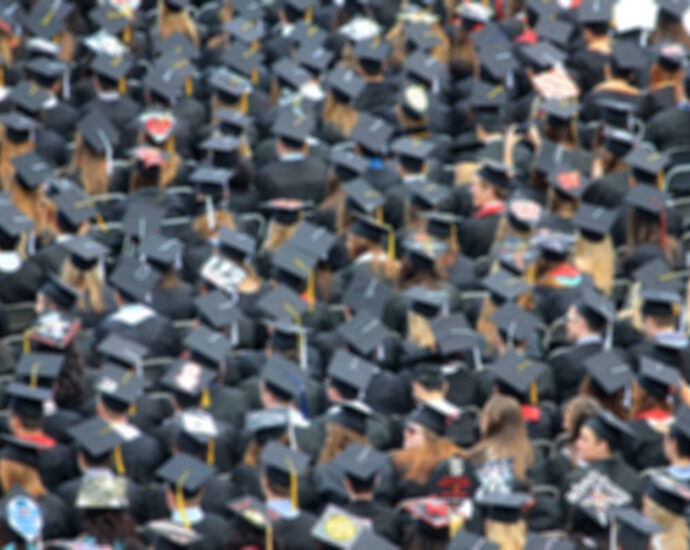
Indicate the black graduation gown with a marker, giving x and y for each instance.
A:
(476, 236)
(142, 455)
(295, 534)
(568, 369)
(588, 65)
(382, 175)
(669, 128)
(61, 118)
(57, 425)
(657, 100)
(542, 423)
(376, 97)
(20, 285)
(384, 520)
(56, 519)
(56, 465)
(228, 405)
(50, 258)
(175, 303)
(646, 449)
(303, 179)
(214, 529)
(120, 110)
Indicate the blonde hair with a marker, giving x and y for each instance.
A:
(89, 283)
(676, 534)
(509, 536)
(202, 228)
(14, 473)
(342, 115)
(171, 22)
(30, 203)
(93, 175)
(9, 151)
(278, 234)
(339, 438)
(597, 259)
(419, 330)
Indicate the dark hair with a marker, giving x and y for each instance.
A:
(110, 526)
(69, 386)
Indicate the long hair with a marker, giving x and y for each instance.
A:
(669, 30)
(70, 383)
(419, 463)
(278, 234)
(561, 206)
(171, 22)
(338, 438)
(598, 260)
(9, 151)
(382, 266)
(508, 536)
(643, 401)
(253, 451)
(92, 168)
(612, 403)
(419, 330)
(504, 435)
(341, 115)
(89, 283)
(30, 203)
(111, 527)
(643, 229)
(485, 326)
(13, 473)
(676, 532)
(201, 225)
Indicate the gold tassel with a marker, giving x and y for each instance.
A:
(269, 537)
(101, 223)
(127, 35)
(179, 498)
(2, 76)
(454, 245)
(308, 14)
(290, 309)
(132, 410)
(33, 381)
(211, 452)
(294, 484)
(122, 86)
(391, 241)
(660, 180)
(455, 523)
(205, 402)
(244, 103)
(27, 340)
(533, 394)
(170, 145)
(119, 461)
(189, 86)
(379, 214)
(255, 77)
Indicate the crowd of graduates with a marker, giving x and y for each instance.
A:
(363, 274)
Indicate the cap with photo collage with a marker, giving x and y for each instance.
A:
(134, 279)
(119, 388)
(59, 292)
(208, 347)
(372, 135)
(435, 517)
(568, 183)
(609, 371)
(22, 515)
(102, 490)
(54, 330)
(188, 381)
(39, 369)
(149, 161)
(596, 496)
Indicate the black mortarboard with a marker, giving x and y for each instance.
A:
(134, 279)
(282, 304)
(337, 528)
(634, 529)
(497, 61)
(660, 302)
(284, 378)
(99, 133)
(681, 425)
(515, 324)
(73, 208)
(96, 437)
(657, 274)
(231, 122)
(373, 50)
(440, 225)
(353, 415)
(559, 112)
(465, 540)
(554, 246)
(248, 62)
(185, 474)
(424, 68)
(671, 56)
(27, 401)
(195, 433)
(504, 286)
(294, 126)
(496, 174)
(294, 266)
(609, 371)
(362, 197)
(18, 127)
(517, 375)
(646, 199)
(162, 253)
(647, 164)
(306, 33)
(350, 373)
(453, 335)
(31, 170)
(119, 387)
(229, 86)
(412, 153)
(361, 464)
(47, 19)
(364, 333)
(434, 416)
(167, 81)
(267, 424)
(669, 493)
(372, 134)
(488, 98)
(112, 68)
(251, 510)
(370, 229)
(345, 84)
(39, 368)
(595, 11)
(427, 302)
(370, 539)
(176, 5)
(314, 240)
(85, 252)
(187, 378)
(13, 224)
(280, 463)
(110, 18)
(348, 164)
(596, 308)
(674, 9)
(176, 47)
(248, 31)
(506, 508)
(30, 98)
(541, 541)
(290, 74)
(628, 56)
(421, 36)
(211, 181)
(543, 56)
(141, 219)
(557, 31)
(207, 346)
(286, 211)
(173, 534)
(238, 246)
(609, 427)
(122, 351)
(658, 379)
(216, 310)
(287, 336)
(424, 251)
(64, 295)
(593, 221)
(366, 292)
(316, 60)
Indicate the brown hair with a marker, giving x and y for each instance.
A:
(382, 266)
(341, 115)
(508, 536)
(89, 283)
(613, 403)
(559, 205)
(598, 260)
(485, 326)
(171, 22)
(580, 408)
(93, 175)
(644, 229)
(419, 330)
(505, 435)
(644, 401)
(14, 473)
(676, 532)
(201, 226)
(253, 452)
(419, 463)
(338, 438)
(9, 151)
(31, 203)
(278, 234)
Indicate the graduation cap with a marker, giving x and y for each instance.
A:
(135, 280)
(353, 415)
(647, 200)
(176, 47)
(122, 351)
(597, 310)
(267, 424)
(465, 539)
(473, 13)
(282, 304)
(427, 302)
(31, 170)
(370, 539)
(245, 30)
(658, 275)
(487, 98)
(365, 334)
(216, 310)
(557, 31)
(366, 292)
(421, 36)
(361, 197)
(515, 324)
(660, 302)
(434, 416)
(554, 246)
(47, 19)
(286, 211)
(73, 209)
(433, 515)
(174, 534)
(609, 427)
(424, 69)
(658, 379)
(283, 467)
(288, 337)
(284, 378)
(251, 510)
(453, 334)
(616, 113)
(594, 221)
(170, 79)
(304, 32)
(62, 294)
(628, 56)
(290, 74)
(112, 68)
(345, 85)
(371, 53)
(236, 245)
(96, 438)
(634, 530)
(609, 371)
(229, 86)
(441, 225)
(148, 161)
(30, 98)
(223, 153)
(162, 253)
(497, 61)
(541, 56)
(424, 251)
(23, 449)
(39, 368)
(338, 528)
(294, 127)
(496, 174)
(111, 18)
(672, 9)
(119, 387)
(372, 135)
(669, 493)
(504, 286)
(140, 219)
(680, 429)
(55, 330)
(524, 213)
(348, 164)
(212, 183)
(412, 153)
(595, 12)
(13, 224)
(189, 381)
(207, 346)
(539, 541)
(248, 62)
(316, 60)
(314, 239)
(85, 252)
(517, 375)
(27, 401)
(186, 476)
(295, 267)
(102, 490)
(233, 123)
(568, 183)
(361, 464)
(159, 126)
(18, 127)
(647, 165)
(559, 112)
(595, 494)
(505, 508)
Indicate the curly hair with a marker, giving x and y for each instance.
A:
(338, 438)
(419, 463)
(70, 384)
(110, 526)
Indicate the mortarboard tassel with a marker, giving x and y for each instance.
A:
(127, 35)
(269, 536)
(2, 76)
(244, 103)
(132, 410)
(119, 461)
(189, 86)
(391, 241)
(311, 291)
(205, 401)
(455, 523)
(660, 180)
(170, 145)
(27, 340)
(533, 394)
(255, 77)
(179, 498)
(33, 380)
(308, 14)
(101, 223)
(379, 214)
(122, 86)
(294, 484)
(211, 452)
